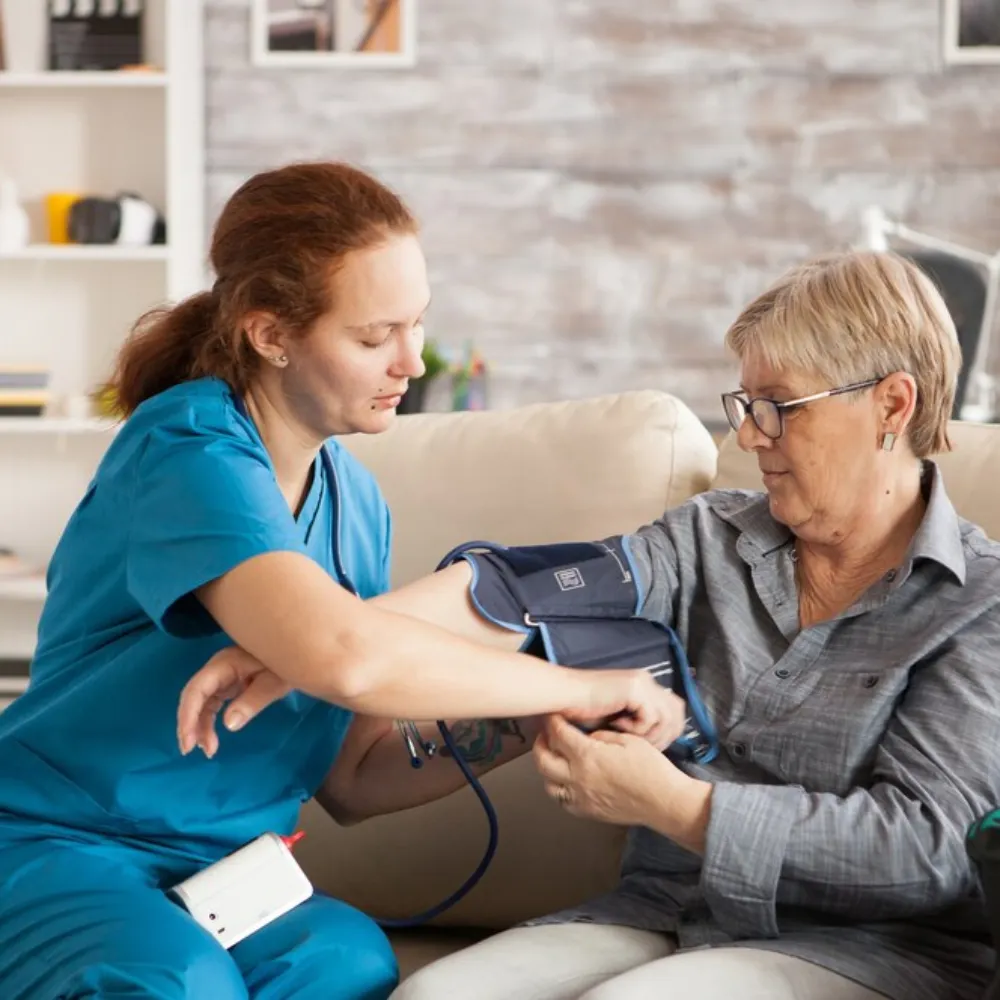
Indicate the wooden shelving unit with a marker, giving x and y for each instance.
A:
(66, 308)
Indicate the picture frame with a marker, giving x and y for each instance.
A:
(311, 34)
(971, 32)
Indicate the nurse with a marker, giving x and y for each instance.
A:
(218, 521)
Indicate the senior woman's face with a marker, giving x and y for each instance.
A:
(820, 472)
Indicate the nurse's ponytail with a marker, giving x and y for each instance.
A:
(164, 349)
(277, 243)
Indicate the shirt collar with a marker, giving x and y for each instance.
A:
(938, 538)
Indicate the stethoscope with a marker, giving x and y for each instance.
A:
(418, 747)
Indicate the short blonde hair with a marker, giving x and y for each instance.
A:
(859, 315)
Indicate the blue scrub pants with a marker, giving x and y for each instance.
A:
(91, 921)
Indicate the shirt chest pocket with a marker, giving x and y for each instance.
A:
(832, 724)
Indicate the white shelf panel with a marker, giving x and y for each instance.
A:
(74, 80)
(88, 252)
(16, 645)
(54, 425)
(13, 685)
(25, 588)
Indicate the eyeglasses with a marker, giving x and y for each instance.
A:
(768, 415)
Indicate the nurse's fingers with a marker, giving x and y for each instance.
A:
(207, 738)
(196, 709)
(262, 690)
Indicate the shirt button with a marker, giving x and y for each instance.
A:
(890, 576)
(870, 681)
(782, 672)
(739, 750)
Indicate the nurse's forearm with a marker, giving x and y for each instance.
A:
(384, 781)
(285, 610)
(405, 668)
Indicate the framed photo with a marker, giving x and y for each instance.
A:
(971, 32)
(377, 34)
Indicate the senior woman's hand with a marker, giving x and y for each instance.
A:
(622, 779)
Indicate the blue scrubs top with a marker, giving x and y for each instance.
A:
(186, 492)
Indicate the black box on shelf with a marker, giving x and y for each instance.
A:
(95, 34)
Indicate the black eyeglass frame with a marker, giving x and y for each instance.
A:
(739, 396)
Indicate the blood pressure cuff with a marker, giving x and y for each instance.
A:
(577, 606)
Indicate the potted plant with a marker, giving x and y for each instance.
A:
(435, 364)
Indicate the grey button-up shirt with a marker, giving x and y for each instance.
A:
(855, 753)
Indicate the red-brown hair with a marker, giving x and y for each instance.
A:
(275, 246)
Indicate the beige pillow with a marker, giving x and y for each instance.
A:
(563, 471)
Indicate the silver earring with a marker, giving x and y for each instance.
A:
(888, 440)
(280, 361)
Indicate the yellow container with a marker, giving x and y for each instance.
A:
(57, 206)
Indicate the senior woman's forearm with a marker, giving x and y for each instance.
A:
(680, 809)
(876, 854)
(890, 849)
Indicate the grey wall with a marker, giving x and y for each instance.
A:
(603, 183)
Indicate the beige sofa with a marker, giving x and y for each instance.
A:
(571, 470)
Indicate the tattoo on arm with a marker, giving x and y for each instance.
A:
(480, 741)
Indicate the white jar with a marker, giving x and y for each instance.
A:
(14, 224)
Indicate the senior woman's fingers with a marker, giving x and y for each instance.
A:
(565, 739)
(561, 793)
(549, 764)
(611, 736)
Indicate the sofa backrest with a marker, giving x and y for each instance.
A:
(544, 473)
(576, 470)
(968, 470)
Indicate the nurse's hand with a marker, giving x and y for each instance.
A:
(231, 674)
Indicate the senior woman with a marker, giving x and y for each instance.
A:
(844, 626)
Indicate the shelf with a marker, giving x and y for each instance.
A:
(70, 80)
(24, 588)
(12, 686)
(86, 252)
(55, 425)
(17, 646)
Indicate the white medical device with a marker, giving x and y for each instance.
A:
(246, 889)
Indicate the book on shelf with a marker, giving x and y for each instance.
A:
(23, 391)
(23, 402)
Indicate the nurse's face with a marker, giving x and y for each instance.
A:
(348, 374)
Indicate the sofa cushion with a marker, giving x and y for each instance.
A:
(416, 948)
(552, 472)
(968, 471)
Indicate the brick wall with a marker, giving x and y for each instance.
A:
(603, 183)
